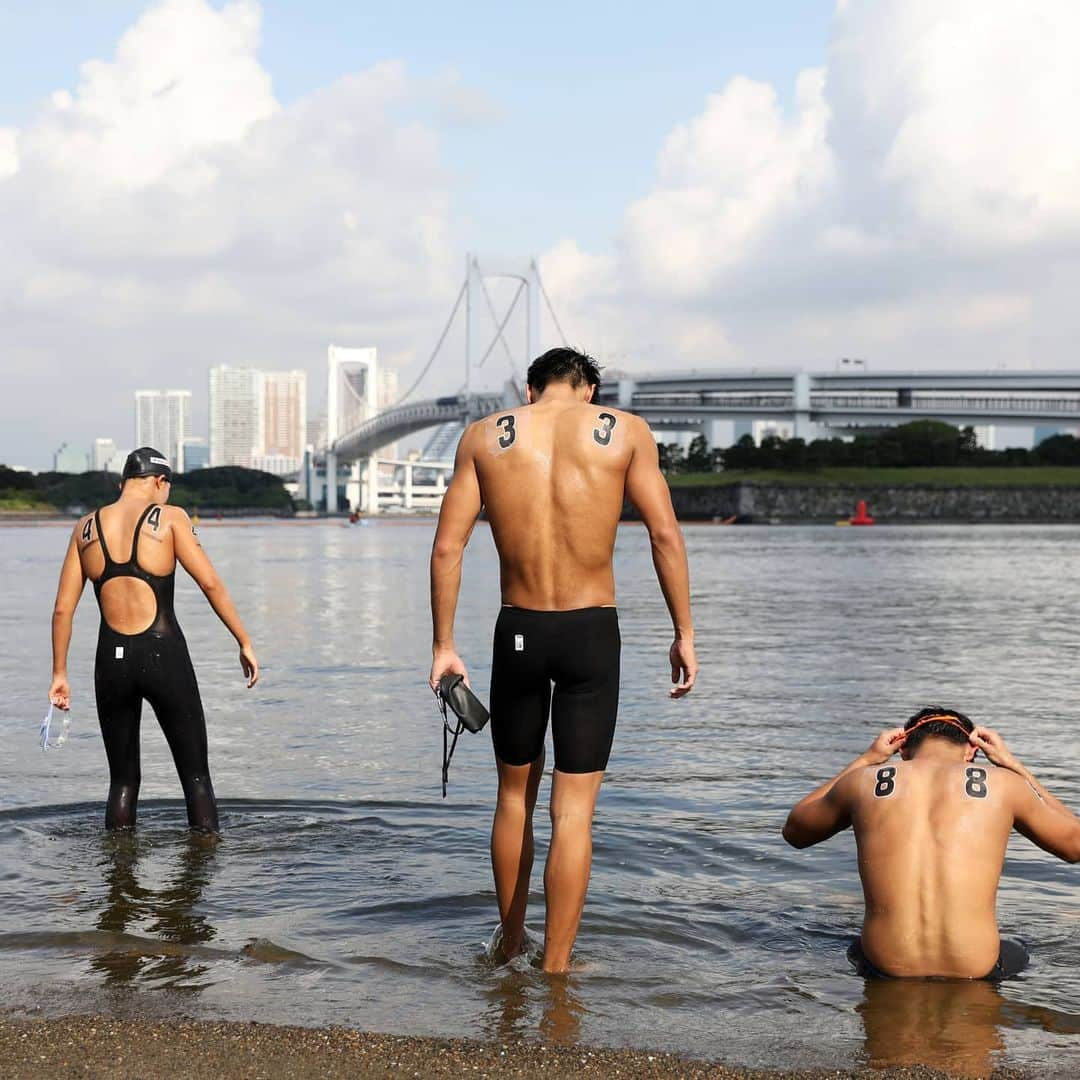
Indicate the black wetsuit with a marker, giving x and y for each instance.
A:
(577, 650)
(153, 665)
(1012, 959)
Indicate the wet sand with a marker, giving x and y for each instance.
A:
(89, 1046)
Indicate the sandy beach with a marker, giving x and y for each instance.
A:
(93, 1046)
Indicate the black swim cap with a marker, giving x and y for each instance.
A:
(146, 461)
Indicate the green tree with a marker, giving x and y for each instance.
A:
(698, 456)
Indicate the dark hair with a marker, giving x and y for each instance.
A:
(941, 728)
(563, 365)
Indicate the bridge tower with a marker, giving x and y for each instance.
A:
(356, 426)
(351, 398)
(477, 350)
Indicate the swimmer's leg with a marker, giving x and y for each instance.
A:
(584, 708)
(119, 708)
(512, 846)
(178, 707)
(569, 862)
(520, 703)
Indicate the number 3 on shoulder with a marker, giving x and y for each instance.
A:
(509, 434)
(603, 434)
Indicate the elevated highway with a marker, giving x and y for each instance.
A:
(817, 404)
(402, 420)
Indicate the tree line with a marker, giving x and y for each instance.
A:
(921, 443)
(226, 488)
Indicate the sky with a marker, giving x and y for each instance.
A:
(186, 182)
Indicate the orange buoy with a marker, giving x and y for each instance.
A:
(861, 516)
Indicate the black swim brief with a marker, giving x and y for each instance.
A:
(1012, 959)
(578, 652)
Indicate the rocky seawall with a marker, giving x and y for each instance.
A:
(763, 503)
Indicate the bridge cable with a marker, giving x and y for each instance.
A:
(438, 345)
(500, 327)
(551, 309)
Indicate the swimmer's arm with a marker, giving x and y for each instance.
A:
(827, 809)
(461, 507)
(647, 489)
(999, 754)
(1038, 815)
(1045, 821)
(190, 555)
(68, 593)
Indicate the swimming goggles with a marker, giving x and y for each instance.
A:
(43, 733)
(938, 719)
(467, 708)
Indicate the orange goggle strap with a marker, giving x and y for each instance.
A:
(951, 720)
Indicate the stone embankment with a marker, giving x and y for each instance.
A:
(763, 503)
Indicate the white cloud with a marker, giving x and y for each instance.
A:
(168, 214)
(919, 201)
(916, 201)
(726, 180)
(9, 152)
(185, 78)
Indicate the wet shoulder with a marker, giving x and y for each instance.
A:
(502, 431)
(86, 532)
(163, 521)
(974, 782)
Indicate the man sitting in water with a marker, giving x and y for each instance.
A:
(931, 832)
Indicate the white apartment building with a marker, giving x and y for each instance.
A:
(163, 421)
(102, 453)
(258, 419)
(237, 415)
(285, 420)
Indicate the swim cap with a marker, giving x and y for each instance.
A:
(146, 461)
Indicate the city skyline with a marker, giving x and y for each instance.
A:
(726, 185)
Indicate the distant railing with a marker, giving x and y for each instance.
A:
(940, 403)
(820, 402)
(706, 398)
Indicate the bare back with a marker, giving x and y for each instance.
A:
(931, 837)
(553, 478)
(128, 604)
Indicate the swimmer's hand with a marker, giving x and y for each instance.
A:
(445, 661)
(60, 692)
(884, 746)
(993, 746)
(684, 666)
(249, 665)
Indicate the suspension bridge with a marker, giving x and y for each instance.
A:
(795, 403)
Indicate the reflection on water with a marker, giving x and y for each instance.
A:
(953, 1025)
(950, 1025)
(347, 891)
(521, 1003)
(167, 915)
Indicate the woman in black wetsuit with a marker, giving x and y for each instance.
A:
(129, 550)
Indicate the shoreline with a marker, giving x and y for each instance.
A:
(102, 1046)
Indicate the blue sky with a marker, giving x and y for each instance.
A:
(586, 91)
(710, 185)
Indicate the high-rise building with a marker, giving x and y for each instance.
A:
(285, 419)
(237, 411)
(194, 454)
(70, 459)
(162, 420)
(102, 452)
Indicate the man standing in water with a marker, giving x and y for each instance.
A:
(931, 832)
(129, 550)
(552, 477)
